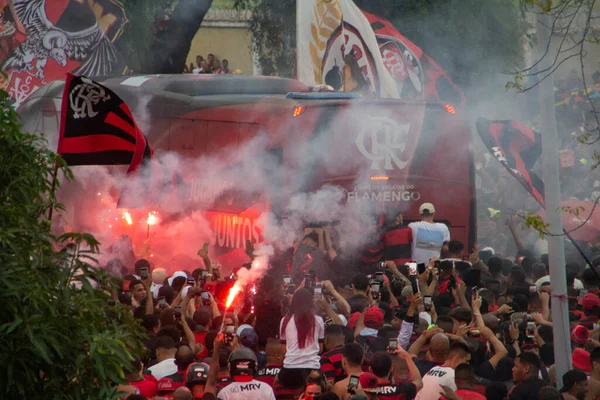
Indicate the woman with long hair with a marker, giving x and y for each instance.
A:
(302, 333)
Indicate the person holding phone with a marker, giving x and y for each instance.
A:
(352, 358)
(302, 333)
(381, 366)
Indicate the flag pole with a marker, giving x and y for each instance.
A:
(556, 246)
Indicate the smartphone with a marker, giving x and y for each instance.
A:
(291, 288)
(474, 290)
(427, 302)
(205, 298)
(318, 290)
(353, 383)
(382, 265)
(375, 289)
(415, 284)
(204, 273)
(216, 271)
(379, 277)
(229, 333)
(191, 281)
(309, 281)
(412, 268)
(532, 289)
(144, 273)
(393, 344)
(530, 332)
(582, 293)
(287, 280)
(421, 268)
(162, 302)
(329, 321)
(178, 309)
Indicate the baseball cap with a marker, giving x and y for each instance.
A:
(176, 275)
(373, 317)
(196, 373)
(368, 382)
(166, 385)
(244, 354)
(589, 301)
(242, 328)
(249, 338)
(353, 320)
(571, 378)
(242, 364)
(581, 360)
(426, 209)
(579, 335)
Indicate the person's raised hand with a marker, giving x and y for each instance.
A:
(544, 297)
(203, 252)
(505, 309)
(416, 300)
(327, 285)
(537, 318)
(429, 333)
(219, 340)
(432, 261)
(461, 288)
(474, 256)
(425, 275)
(402, 353)
(462, 330)
(476, 304)
(513, 330)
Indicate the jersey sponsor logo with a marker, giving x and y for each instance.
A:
(250, 387)
(269, 371)
(388, 389)
(435, 372)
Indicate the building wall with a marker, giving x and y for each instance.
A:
(224, 33)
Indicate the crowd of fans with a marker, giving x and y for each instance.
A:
(436, 326)
(211, 65)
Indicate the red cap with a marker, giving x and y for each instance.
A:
(580, 334)
(368, 382)
(166, 385)
(590, 300)
(353, 320)
(374, 317)
(581, 360)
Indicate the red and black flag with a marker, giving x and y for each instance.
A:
(97, 128)
(517, 147)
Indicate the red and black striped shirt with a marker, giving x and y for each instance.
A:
(331, 364)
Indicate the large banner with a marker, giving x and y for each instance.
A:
(354, 51)
(42, 40)
(337, 47)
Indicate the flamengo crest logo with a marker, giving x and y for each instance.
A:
(84, 96)
(383, 141)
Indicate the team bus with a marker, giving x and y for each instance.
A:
(390, 153)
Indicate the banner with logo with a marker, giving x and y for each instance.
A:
(416, 74)
(337, 47)
(42, 40)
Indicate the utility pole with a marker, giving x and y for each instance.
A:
(556, 248)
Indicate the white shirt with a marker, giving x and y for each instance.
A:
(163, 368)
(427, 240)
(577, 284)
(308, 357)
(254, 390)
(433, 379)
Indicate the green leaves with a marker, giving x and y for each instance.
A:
(52, 308)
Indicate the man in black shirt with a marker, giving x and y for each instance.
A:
(525, 374)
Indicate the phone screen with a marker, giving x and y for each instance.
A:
(287, 279)
(379, 277)
(318, 288)
(205, 295)
(230, 328)
(375, 287)
(530, 329)
(393, 344)
(178, 309)
(161, 300)
(353, 382)
(412, 268)
(204, 273)
(144, 273)
(427, 303)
